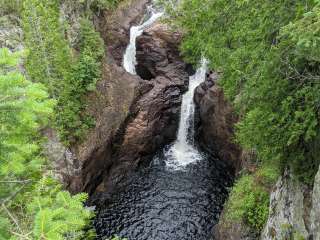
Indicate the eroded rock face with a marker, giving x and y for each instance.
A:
(216, 122)
(289, 210)
(81, 166)
(115, 26)
(154, 118)
(134, 117)
(158, 54)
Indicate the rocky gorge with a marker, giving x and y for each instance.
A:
(137, 118)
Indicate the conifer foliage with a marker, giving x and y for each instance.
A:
(50, 56)
(32, 206)
(269, 59)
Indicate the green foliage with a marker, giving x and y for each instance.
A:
(105, 4)
(68, 78)
(31, 208)
(269, 55)
(24, 107)
(71, 119)
(288, 232)
(58, 215)
(92, 6)
(11, 6)
(49, 54)
(249, 199)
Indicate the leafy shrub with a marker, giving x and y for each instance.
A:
(58, 215)
(249, 199)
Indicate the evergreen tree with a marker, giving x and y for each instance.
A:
(49, 60)
(32, 206)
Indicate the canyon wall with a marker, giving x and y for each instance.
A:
(135, 115)
(215, 131)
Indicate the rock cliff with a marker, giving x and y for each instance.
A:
(134, 115)
(294, 210)
(216, 122)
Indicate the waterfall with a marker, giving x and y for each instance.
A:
(129, 59)
(183, 151)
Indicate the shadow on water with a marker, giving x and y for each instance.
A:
(159, 203)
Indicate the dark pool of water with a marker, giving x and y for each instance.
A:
(163, 204)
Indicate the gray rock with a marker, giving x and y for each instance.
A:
(315, 210)
(63, 161)
(287, 210)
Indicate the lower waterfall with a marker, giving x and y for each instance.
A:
(178, 196)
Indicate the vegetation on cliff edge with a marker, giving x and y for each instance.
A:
(51, 83)
(268, 53)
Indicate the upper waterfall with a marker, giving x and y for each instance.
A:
(183, 151)
(129, 59)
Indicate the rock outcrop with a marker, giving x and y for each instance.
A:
(115, 26)
(154, 117)
(11, 34)
(289, 210)
(232, 231)
(315, 210)
(134, 116)
(294, 211)
(216, 122)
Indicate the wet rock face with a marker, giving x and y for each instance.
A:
(154, 118)
(158, 54)
(134, 118)
(216, 122)
(115, 27)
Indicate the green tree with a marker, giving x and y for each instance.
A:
(269, 59)
(268, 55)
(49, 60)
(31, 206)
(71, 119)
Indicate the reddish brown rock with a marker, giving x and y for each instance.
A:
(115, 26)
(154, 118)
(134, 117)
(216, 123)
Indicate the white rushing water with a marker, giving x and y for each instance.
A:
(183, 151)
(129, 58)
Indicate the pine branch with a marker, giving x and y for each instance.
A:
(17, 181)
(25, 236)
(15, 193)
(12, 217)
